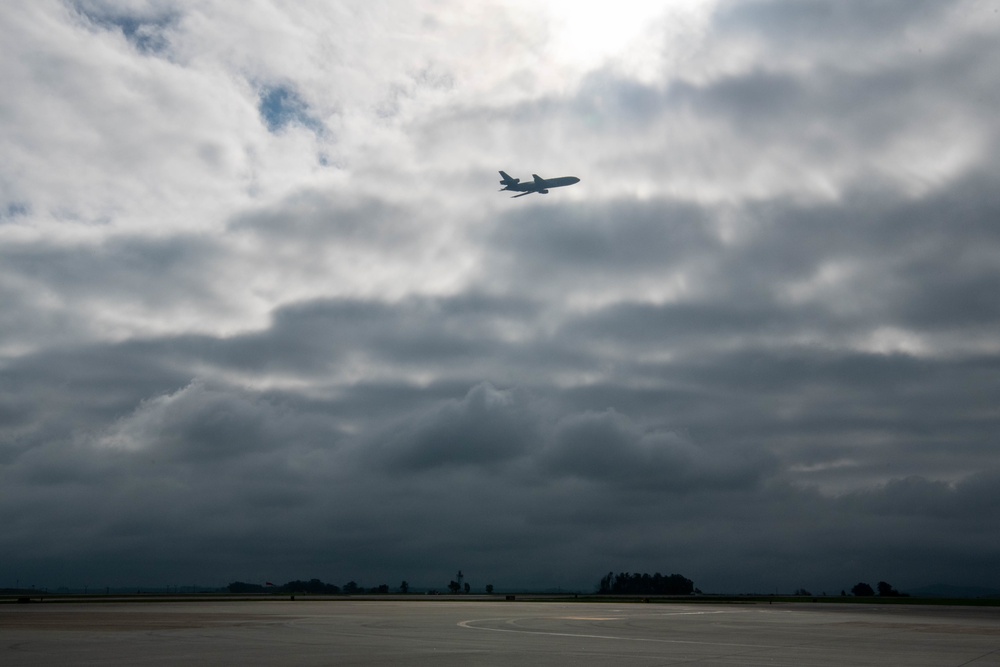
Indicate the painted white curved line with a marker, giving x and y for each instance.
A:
(468, 625)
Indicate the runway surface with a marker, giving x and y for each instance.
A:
(423, 632)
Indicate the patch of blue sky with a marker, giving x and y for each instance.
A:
(146, 33)
(281, 106)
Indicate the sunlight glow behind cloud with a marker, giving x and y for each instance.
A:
(636, 37)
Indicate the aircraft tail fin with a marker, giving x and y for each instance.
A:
(507, 180)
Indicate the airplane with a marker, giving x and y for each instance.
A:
(539, 184)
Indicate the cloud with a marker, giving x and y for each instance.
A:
(486, 427)
(265, 314)
(608, 447)
(197, 424)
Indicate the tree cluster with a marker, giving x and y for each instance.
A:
(311, 587)
(624, 583)
(885, 590)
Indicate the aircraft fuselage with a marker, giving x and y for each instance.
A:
(537, 184)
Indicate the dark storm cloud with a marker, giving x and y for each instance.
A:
(199, 467)
(53, 398)
(609, 447)
(199, 424)
(486, 427)
(916, 497)
(832, 416)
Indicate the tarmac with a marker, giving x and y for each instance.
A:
(423, 632)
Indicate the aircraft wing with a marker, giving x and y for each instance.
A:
(523, 193)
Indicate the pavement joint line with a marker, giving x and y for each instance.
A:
(468, 626)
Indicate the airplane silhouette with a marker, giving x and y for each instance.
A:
(539, 184)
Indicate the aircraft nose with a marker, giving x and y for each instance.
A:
(575, 179)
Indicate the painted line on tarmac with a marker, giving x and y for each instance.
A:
(695, 613)
(468, 625)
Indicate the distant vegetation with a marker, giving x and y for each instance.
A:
(862, 590)
(311, 587)
(318, 587)
(624, 583)
(885, 590)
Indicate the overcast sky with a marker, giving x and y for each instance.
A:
(265, 315)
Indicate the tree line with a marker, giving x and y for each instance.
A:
(885, 590)
(312, 587)
(318, 587)
(863, 590)
(625, 583)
